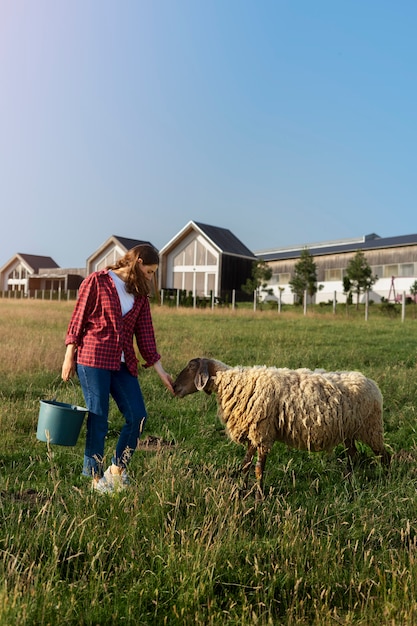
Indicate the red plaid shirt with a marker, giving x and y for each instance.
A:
(102, 333)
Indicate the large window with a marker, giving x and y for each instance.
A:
(195, 269)
(195, 253)
(110, 259)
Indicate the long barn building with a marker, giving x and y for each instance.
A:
(392, 259)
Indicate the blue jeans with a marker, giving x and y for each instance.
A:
(97, 386)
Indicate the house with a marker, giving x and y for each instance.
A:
(29, 273)
(204, 260)
(392, 259)
(208, 260)
(110, 251)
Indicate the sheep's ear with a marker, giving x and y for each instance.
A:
(202, 377)
(201, 380)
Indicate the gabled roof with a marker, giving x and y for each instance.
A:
(35, 262)
(369, 242)
(130, 243)
(222, 238)
(225, 240)
(126, 242)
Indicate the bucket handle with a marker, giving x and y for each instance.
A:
(59, 386)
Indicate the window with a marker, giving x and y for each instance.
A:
(406, 269)
(390, 270)
(109, 259)
(211, 259)
(199, 283)
(200, 254)
(195, 256)
(283, 279)
(179, 259)
(377, 270)
(177, 280)
(211, 282)
(188, 281)
(333, 274)
(189, 254)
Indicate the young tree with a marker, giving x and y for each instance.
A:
(347, 290)
(413, 291)
(305, 277)
(359, 274)
(261, 273)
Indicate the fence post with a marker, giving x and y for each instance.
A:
(403, 308)
(305, 302)
(334, 302)
(366, 305)
(233, 299)
(254, 300)
(279, 301)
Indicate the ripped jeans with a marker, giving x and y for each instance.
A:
(97, 386)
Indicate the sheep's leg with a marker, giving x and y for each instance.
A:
(247, 462)
(351, 454)
(385, 457)
(259, 471)
(351, 449)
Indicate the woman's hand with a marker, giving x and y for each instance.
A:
(68, 366)
(166, 378)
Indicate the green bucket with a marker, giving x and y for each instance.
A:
(59, 423)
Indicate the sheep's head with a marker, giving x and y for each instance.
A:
(197, 375)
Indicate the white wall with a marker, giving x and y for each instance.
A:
(382, 288)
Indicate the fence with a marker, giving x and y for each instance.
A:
(180, 299)
(40, 294)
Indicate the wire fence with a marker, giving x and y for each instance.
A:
(401, 307)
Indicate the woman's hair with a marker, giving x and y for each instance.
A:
(136, 282)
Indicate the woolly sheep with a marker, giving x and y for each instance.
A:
(305, 409)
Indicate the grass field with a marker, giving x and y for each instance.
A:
(182, 546)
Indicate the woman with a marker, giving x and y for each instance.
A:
(113, 308)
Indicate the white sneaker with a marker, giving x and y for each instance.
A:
(102, 486)
(110, 483)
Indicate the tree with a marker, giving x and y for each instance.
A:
(359, 274)
(305, 277)
(261, 273)
(413, 291)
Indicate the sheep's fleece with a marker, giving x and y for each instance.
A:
(308, 410)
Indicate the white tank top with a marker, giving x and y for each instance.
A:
(126, 299)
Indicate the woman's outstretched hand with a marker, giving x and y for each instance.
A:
(164, 376)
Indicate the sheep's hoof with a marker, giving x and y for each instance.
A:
(259, 495)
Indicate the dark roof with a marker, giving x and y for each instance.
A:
(131, 243)
(35, 262)
(367, 244)
(225, 240)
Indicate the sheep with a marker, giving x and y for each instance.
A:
(305, 409)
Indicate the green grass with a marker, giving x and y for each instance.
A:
(185, 546)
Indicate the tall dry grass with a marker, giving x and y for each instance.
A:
(185, 545)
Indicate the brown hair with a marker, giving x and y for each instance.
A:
(136, 282)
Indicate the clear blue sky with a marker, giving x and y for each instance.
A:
(286, 121)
